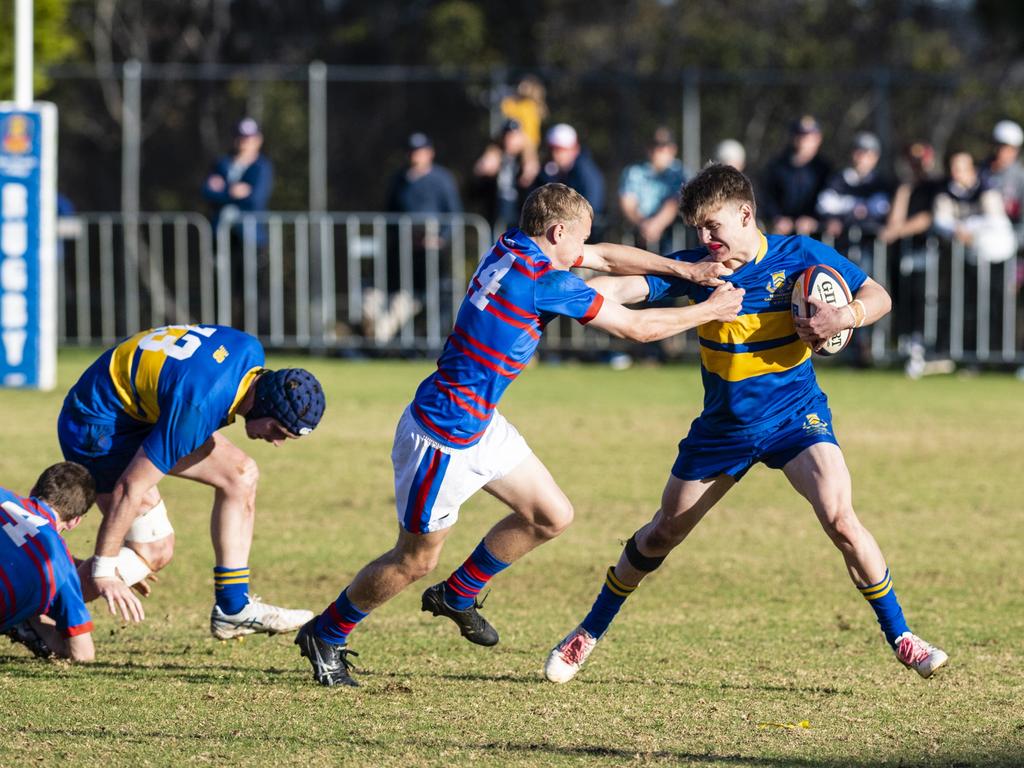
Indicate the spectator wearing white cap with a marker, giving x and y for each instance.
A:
(731, 152)
(1002, 170)
(572, 165)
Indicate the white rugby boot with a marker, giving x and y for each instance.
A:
(256, 616)
(568, 656)
(924, 658)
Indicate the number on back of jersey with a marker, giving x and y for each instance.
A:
(487, 280)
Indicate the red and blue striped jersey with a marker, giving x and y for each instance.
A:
(37, 574)
(514, 294)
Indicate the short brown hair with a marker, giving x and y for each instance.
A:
(551, 204)
(715, 185)
(68, 488)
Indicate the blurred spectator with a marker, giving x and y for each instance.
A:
(529, 108)
(731, 152)
(504, 173)
(238, 184)
(422, 187)
(911, 213)
(859, 195)
(969, 212)
(573, 166)
(241, 182)
(649, 193)
(792, 182)
(906, 229)
(1003, 170)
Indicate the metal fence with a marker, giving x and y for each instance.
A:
(331, 282)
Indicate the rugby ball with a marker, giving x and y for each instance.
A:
(826, 285)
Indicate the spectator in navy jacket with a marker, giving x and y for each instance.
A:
(859, 195)
(242, 181)
(239, 184)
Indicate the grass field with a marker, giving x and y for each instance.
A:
(751, 626)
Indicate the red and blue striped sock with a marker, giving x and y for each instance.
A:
(462, 587)
(340, 618)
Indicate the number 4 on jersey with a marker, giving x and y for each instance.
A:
(25, 525)
(487, 280)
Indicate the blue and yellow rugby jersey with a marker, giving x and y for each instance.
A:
(755, 369)
(37, 574)
(184, 380)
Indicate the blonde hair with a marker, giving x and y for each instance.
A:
(714, 186)
(551, 204)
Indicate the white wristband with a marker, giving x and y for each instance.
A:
(104, 567)
(863, 313)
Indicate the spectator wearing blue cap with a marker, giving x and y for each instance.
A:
(152, 406)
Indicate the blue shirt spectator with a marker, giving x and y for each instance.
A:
(242, 181)
(422, 187)
(649, 192)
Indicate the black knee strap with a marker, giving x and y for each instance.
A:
(639, 560)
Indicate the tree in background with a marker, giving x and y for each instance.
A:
(53, 43)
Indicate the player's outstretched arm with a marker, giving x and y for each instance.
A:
(870, 305)
(125, 506)
(626, 260)
(631, 289)
(658, 323)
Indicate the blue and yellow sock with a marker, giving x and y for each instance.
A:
(613, 595)
(882, 599)
(340, 618)
(462, 587)
(231, 588)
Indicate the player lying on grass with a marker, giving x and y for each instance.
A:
(451, 441)
(41, 603)
(762, 404)
(151, 406)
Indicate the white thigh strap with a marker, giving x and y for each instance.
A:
(151, 526)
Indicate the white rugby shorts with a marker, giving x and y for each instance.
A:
(433, 480)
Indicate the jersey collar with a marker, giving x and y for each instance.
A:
(46, 510)
(243, 387)
(762, 249)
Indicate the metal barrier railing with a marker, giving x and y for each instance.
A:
(118, 274)
(366, 280)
